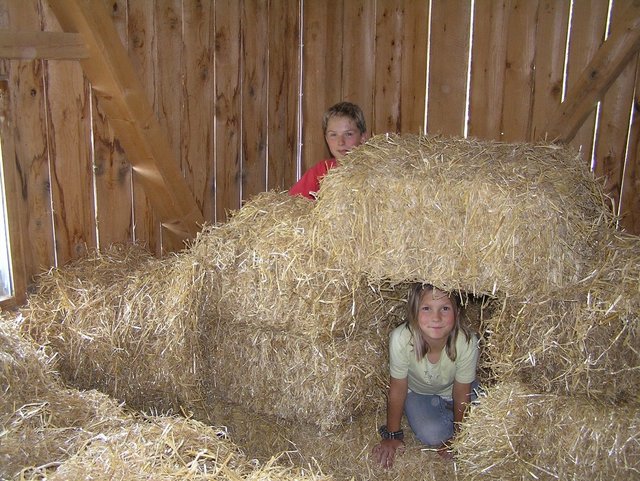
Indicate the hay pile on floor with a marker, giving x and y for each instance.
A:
(345, 452)
(50, 432)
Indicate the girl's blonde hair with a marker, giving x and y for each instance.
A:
(420, 346)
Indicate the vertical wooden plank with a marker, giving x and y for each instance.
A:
(488, 64)
(68, 126)
(142, 48)
(112, 171)
(630, 194)
(228, 107)
(358, 55)
(197, 107)
(586, 34)
(12, 185)
(255, 18)
(11, 188)
(284, 84)
(322, 75)
(169, 69)
(613, 126)
(388, 66)
(551, 38)
(446, 111)
(30, 151)
(518, 80)
(414, 66)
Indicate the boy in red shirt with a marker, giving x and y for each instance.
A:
(344, 128)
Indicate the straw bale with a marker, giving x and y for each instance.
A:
(516, 433)
(322, 382)
(24, 366)
(583, 339)
(268, 215)
(40, 422)
(274, 220)
(483, 217)
(322, 305)
(79, 286)
(279, 281)
(126, 324)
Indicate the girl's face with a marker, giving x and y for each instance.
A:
(342, 136)
(436, 316)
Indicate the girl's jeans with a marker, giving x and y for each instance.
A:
(431, 416)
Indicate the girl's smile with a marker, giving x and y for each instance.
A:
(436, 317)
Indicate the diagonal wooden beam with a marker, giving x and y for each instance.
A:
(608, 62)
(130, 114)
(38, 44)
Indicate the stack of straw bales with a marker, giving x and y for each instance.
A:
(528, 226)
(51, 432)
(285, 309)
(525, 224)
(298, 329)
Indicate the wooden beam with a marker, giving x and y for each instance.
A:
(614, 54)
(42, 45)
(125, 103)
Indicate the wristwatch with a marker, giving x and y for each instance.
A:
(386, 434)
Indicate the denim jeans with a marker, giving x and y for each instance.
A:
(431, 416)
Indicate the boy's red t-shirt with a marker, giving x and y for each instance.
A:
(310, 181)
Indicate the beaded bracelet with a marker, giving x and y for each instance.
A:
(385, 434)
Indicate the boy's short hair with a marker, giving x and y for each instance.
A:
(345, 109)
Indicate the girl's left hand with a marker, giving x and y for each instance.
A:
(385, 452)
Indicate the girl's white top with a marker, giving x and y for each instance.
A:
(425, 377)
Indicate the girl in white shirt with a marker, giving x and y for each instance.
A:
(432, 361)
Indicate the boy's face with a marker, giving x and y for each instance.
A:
(342, 136)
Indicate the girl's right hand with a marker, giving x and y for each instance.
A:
(385, 452)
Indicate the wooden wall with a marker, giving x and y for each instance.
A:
(240, 87)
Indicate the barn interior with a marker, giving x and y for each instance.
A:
(171, 312)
